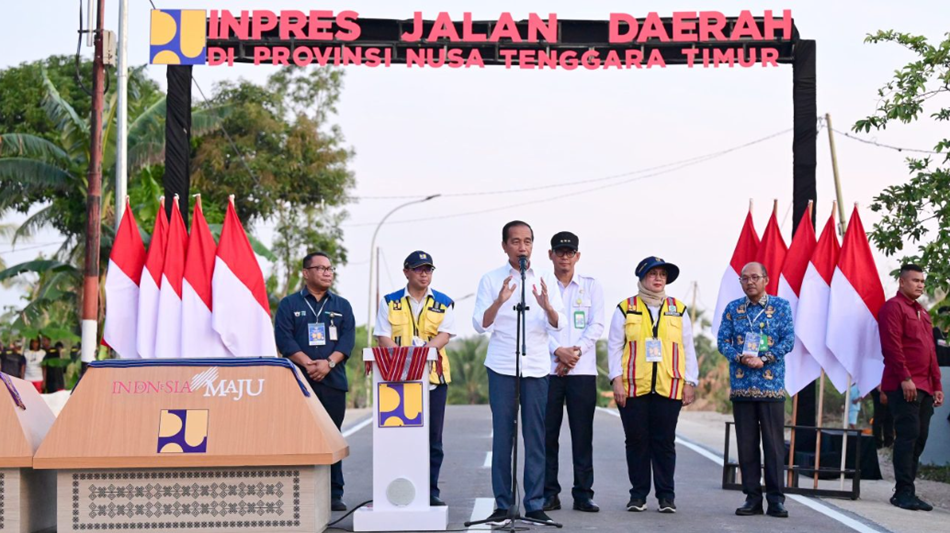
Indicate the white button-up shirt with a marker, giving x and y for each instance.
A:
(583, 301)
(536, 363)
(384, 328)
(616, 338)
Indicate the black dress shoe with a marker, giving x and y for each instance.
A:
(905, 501)
(498, 518)
(337, 505)
(637, 505)
(539, 516)
(435, 501)
(587, 506)
(551, 504)
(749, 509)
(922, 505)
(777, 510)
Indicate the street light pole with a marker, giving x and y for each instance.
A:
(372, 251)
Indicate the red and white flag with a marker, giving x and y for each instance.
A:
(812, 315)
(800, 367)
(149, 286)
(122, 287)
(242, 316)
(198, 337)
(730, 288)
(771, 253)
(856, 297)
(168, 329)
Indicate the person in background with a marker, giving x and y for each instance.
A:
(911, 380)
(882, 425)
(940, 336)
(53, 365)
(11, 362)
(855, 408)
(35, 373)
(755, 335)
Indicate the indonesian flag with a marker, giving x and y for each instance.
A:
(800, 367)
(149, 286)
(729, 288)
(198, 337)
(771, 253)
(168, 330)
(122, 287)
(812, 314)
(856, 298)
(242, 315)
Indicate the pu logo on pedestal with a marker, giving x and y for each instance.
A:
(183, 431)
(400, 404)
(178, 37)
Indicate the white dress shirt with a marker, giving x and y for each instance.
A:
(583, 301)
(384, 329)
(536, 363)
(616, 338)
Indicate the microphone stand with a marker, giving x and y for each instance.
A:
(521, 349)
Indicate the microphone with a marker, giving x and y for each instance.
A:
(523, 262)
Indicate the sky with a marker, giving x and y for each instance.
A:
(418, 132)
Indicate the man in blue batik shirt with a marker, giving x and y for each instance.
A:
(756, 333)
(315, 329)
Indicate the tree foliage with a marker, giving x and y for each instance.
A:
(916, 213)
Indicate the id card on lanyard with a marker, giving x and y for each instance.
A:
(316, 332)
(756, 343)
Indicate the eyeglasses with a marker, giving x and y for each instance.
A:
(565, 252)
(658, 274)
(755, 278)
(424, 269)
(321, 268)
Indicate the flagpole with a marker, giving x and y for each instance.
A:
(821, 405)
(791, 448)
(847, 392)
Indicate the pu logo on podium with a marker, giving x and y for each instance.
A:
(178, 37)
(183, 431)
(400, 404)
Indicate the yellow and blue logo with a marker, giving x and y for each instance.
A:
(183, 431)
(178, 37)
(400, 404)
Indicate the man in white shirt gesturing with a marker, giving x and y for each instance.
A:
(495, 313)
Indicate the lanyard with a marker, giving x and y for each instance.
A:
(415, 320)
(751, 327)
(326, 298)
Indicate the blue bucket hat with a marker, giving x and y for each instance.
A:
(672, 271)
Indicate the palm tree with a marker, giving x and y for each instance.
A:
(469, 375)
(45, 172)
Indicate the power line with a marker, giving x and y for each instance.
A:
(14, 248)
(678, 166)
(578, 182)
(882, 145)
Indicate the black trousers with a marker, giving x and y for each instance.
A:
(912, 423)
(766, 420)
(883, 425)
(437, 399)
(649, 425)
(334, 401)
(580, 394)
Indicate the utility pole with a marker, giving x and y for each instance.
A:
(90, 290)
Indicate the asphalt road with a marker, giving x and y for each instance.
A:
(466, 484)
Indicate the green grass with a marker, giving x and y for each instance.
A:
(935, 473)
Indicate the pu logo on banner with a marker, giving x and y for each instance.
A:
(178, 37)
(400, 404)
(183, 431)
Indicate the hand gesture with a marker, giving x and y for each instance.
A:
(506, 291)
(568, 355)
(562, 369)
(542, 297)
(938, 398)
(752, 362)
(620, 395)
(320, 369)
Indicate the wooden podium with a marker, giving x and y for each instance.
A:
(401, 451)
(192, 445)
(27, 500)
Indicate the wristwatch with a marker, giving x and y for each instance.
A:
(331, 363)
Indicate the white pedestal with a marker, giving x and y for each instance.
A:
(400, 457)
(27, 500)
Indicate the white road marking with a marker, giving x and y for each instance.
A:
(487, 463)
(811, 503)
(357, 427)
(482, 509)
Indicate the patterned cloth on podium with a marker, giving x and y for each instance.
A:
(404, 363)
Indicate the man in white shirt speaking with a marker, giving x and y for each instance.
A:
(495, 312)
(573, 377)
